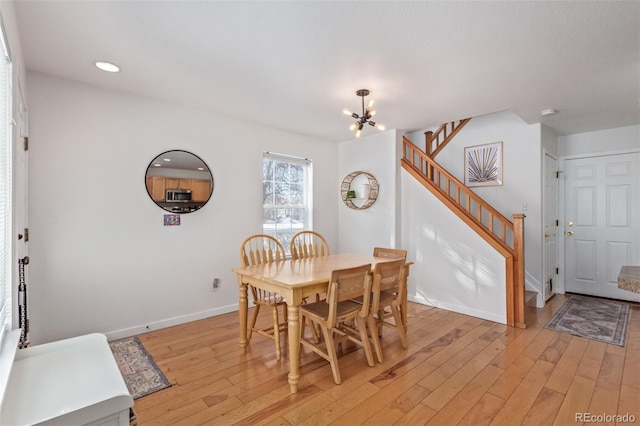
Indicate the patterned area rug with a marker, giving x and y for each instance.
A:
(597, 319)
(140, 373)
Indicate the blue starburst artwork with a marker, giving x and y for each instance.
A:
(483, 165)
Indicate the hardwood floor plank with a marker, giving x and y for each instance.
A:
(400, 406)
(591, 362)
(483, 412)
(512, 377)
(334, 411)
(544, 409)
(519, 403)
(565, 370)
(463, 401)
(445, 392)
(576, 401)
(419, 415)
(369, 408)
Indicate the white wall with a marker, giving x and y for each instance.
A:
(361, 230)
(522, 175)
(101, 259)
(454, 268)
(609, 140)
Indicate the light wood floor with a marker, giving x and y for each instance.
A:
(458, 370)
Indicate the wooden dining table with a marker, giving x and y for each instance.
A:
(295, 280)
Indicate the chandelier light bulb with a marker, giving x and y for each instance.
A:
(347, 112)
(380, 127)
(358, 133)
(371, 102)
(353, 126)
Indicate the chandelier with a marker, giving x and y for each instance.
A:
(365, 118)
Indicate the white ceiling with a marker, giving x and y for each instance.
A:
(295, 65)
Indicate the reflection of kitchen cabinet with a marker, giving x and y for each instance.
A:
(200, 190)
(156, 188)
(171, 183)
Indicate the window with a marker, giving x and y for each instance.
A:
(286, 194)
(5, 188)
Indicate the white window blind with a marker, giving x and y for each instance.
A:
(286, 192)
(5, 189)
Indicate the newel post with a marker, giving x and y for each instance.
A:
(428, 136)
(518, 268)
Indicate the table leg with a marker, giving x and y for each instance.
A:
(294, 346)
(243, 308)
(404, 299)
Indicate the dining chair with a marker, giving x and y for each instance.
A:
(335, 313)
(255, 250)
(389, 253)
(307, 244)
(387, 290)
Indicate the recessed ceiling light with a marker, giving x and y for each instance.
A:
(107, 66)
(548, 112)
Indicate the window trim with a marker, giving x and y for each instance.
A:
(308, 186)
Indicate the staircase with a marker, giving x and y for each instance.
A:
(504, 235)
(436, 141)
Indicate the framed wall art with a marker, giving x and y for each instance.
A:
(483, 165)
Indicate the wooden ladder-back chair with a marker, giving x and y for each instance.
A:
(307, 244)
(334, 314)
(391, 253)
(258, 249)
(388, 290)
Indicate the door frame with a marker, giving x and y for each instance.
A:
(561, 288)
(543, 296)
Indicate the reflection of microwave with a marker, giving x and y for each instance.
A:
(180, 195)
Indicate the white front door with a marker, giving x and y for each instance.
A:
(602, 229)
(549, 260)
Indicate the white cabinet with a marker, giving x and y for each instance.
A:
(69, 382)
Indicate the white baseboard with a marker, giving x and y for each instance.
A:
(170, 322)
(490, 316)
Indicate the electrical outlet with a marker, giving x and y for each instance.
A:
(216, 283)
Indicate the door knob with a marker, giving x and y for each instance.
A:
(569, 233)
(570, 223)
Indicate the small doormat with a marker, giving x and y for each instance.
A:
(141, 374)
(597, 319)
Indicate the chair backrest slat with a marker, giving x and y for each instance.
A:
(261, 248)
(306, 244)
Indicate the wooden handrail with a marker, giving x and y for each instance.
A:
(503, 235)
(447, 131)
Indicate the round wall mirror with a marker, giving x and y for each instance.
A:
(179, 181)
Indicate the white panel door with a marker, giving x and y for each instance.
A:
(602, 230)
(549, 260)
